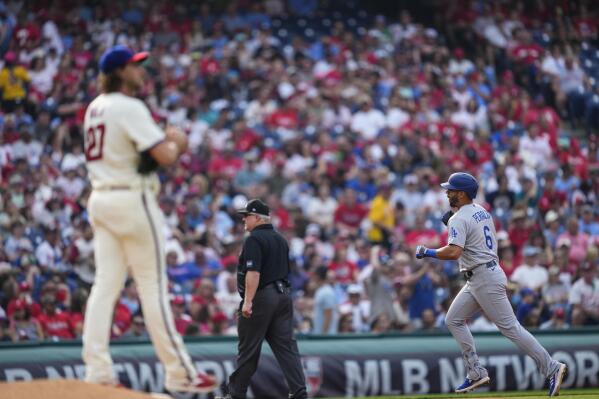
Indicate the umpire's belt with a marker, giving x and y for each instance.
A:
(469, 273)
(280, 285)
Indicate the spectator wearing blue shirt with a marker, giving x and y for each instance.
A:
(423, 282)
(363, 187)
(588, 222)
(325, 304)
(553, 228)
(298, 278)
(183, 274)
(193, 216)
(233, 21)
(130, 297)
(256, 16)
(526, 305)
(302, 7)
(567, 182)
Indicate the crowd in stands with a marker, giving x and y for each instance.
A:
(344, 122)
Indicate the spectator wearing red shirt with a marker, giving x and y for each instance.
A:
(55, 324)
(507, 87)
(506, 259)
(344, 271)
(224, 165)
(244, 138)
(526, 52)
(182, 319)
(551, 198)
(77, 311)
(24, 298)
(285, 117)
(420, 233)
(24, 327)
(280, 217)
(570, 153)
(28, 32)
(203, 302)
(219, 323)
(349, 213)
(585, 24)
(81, 56)
(121, 320)
(519, 230)
(208, 64)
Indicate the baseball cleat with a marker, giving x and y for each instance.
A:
(555, 381)
(203, 383)
(468, 384)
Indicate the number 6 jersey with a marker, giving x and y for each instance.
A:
(117, 128)
(472, 229)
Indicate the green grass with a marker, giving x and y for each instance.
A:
(564, 394)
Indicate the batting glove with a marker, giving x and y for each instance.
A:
(424, 252)
(420, 251)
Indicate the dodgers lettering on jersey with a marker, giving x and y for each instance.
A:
(472, 229)
(117, 128)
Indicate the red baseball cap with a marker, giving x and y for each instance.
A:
(24, 286)
(178, 300)
(219, 317)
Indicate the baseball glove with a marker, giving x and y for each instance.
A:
(147, 164)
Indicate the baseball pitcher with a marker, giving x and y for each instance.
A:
(123, 148)
(472, 240)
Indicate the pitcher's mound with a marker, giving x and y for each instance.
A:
(68, 389)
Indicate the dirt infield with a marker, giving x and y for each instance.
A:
(68, 389)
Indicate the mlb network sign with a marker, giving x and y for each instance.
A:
(342, 375)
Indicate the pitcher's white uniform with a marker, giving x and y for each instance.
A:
(128, 225)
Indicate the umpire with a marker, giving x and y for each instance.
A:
(266, 308)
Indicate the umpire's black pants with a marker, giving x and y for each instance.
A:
(272, 319)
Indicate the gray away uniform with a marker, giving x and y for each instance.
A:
(472, 229)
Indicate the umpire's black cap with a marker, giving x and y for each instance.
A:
(255, 207)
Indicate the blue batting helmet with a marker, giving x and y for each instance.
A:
(462, 182)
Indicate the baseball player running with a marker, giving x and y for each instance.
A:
(119, 134)
(472, 240)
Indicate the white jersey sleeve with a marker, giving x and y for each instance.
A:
(137, 121)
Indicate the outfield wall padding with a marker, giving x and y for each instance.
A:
(341, 366)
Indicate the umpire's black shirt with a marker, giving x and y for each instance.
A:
(265, 251)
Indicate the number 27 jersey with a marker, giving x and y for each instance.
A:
(117, 128)
(472, 229)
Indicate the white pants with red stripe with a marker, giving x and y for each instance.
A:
(128, 234)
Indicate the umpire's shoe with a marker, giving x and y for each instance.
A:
(555, 381)
(468, 384)
(224, 387)
(226, 396)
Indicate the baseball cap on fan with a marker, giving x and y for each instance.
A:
(119, 56)
(255, 207)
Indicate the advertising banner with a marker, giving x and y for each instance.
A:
(360, 370)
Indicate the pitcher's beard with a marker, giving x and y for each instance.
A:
(134, 88)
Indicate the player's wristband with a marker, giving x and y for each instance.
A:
(430, 253)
